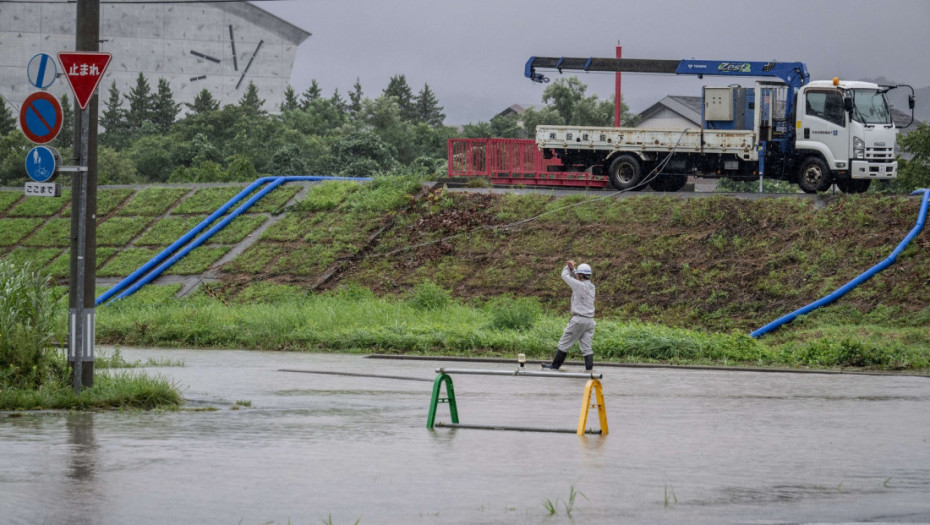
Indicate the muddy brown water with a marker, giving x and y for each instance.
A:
(684, 446)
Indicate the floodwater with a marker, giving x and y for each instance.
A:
(684, 446)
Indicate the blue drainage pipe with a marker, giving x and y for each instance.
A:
(134, 277)
(921, 216)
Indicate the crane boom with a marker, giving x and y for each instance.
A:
(793, 74)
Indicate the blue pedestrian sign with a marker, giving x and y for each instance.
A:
(41, 163)
(42, 71)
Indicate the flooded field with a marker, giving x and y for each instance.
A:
(684, 446)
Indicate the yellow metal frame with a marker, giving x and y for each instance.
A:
(593, 384)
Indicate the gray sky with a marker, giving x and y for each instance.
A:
(472, 52)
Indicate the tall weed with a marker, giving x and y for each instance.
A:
(27, 328)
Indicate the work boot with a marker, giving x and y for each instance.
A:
(589, 363)
(556, 361)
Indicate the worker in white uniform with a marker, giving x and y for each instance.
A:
(580, 327)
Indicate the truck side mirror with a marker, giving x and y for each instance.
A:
(848, 104)
(910, 101)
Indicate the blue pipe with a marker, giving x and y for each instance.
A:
(184, 239)
(921, 216)
(134, 276)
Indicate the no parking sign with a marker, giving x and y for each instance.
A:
(40, 117)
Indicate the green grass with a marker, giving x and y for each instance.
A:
(119, 231)
(117, 391)
(350, 321)
(126, 262)
(197, 261)
(274, 202)
(155, 294)
(327, 196)
(168, 230)
(255, 259)
(60, 268)
(56, 232)
(207, 200)
(40, 206)
(37, 256)
(109, 199)
(237, 230)
(14, 230)
(292, 227)
(152, 201)
(7, 198)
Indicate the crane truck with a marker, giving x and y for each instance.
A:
(785, 127)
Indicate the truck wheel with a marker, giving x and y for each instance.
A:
(669, 182)
(624, 172)
(814, 176)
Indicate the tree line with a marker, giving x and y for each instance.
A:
(148, 137)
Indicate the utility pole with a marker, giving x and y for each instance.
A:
(83, 276)
(618, 100)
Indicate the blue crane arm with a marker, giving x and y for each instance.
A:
(793, 74)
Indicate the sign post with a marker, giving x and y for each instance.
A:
(83, 70)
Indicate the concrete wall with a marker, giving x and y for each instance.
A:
(157, 40)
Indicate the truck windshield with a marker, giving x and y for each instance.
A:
(870, 106)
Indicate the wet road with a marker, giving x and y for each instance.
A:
(684, 447)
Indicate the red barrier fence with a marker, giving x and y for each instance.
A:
(513, 162)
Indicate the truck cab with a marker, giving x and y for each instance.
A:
(847, 127)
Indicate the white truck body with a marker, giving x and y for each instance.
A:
(832, 141)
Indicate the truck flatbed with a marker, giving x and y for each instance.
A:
(740, 143)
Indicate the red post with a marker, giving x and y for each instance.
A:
(617, 99)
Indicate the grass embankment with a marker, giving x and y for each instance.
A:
(429, 322)
(678, 280)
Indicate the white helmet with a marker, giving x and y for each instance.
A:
(583, 269)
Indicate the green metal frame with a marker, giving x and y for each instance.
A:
(450, 399)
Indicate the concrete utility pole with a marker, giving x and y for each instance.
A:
(83, 277)
(618, 100)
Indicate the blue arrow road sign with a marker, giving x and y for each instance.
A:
(40, 163)
(42, 71)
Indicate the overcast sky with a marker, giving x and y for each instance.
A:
(472, 52)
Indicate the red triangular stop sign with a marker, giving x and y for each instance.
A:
(83, 71)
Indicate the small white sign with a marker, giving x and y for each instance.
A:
(43, 189)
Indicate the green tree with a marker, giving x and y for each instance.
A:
(339, 104)
(290, 100)
(428, 109)
(363, 154)
(290, 159)
(250, 103)
(164, 109)
(113, 121)
(567, 97)
(114, 168)
(914, 173)
(203, 103)
(7, 120)
(506, 127)
(399, 89)
(355, 98)
(13, 149)
(152, 156)
(65, 138)
(240, 169)
(310, 94)
(140, 104)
